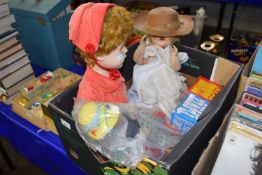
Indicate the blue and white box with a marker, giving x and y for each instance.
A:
(187, 113)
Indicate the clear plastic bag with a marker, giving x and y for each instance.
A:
(125, 133)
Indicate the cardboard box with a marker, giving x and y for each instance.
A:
(231, 150)
(209, 155)
(186, 153)
(34, 116)
(49, 82)
(245, 74)
(40, 115)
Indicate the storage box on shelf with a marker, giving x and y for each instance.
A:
(43, 26)
(186, 153)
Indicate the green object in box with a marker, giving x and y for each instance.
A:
(159, 171)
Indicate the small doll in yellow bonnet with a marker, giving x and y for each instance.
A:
(156, 80)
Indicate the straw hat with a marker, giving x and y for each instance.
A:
(164, 21)
(97, 119)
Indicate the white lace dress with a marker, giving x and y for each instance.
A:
(156, 83)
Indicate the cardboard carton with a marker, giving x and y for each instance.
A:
(208, 157)
(185, 155)
(40, 115)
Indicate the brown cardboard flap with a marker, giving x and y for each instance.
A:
(208, 157)
(223, 71)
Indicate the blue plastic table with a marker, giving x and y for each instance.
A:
(42, 148)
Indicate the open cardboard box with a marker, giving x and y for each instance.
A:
(186, 153)
(40, 115)
(209, 155)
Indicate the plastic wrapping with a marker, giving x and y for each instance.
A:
(124, 133)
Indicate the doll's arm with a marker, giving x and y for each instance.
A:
(139, 53)
(176, 66)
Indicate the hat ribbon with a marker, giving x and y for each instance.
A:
(113, 73)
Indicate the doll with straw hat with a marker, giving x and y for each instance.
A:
(156, 80)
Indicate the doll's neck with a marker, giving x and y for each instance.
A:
(101, 70)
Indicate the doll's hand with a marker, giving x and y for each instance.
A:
(174, 50)
(182, 57)
(175, 63)
(139, 52)
(151, 51)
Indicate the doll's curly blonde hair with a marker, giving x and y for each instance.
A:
(117, 27)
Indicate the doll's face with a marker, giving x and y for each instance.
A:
(161, 41)
(115, 59)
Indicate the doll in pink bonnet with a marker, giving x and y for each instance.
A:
(99, 31)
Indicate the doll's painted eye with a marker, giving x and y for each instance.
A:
(162, 38)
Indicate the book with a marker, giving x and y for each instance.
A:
(9, 60)
(257, 68)
(256, 76)
(13, 67)
(4, 8)
(10, 51)
(7, 35)
(13, 89)
(3, 1)
(4, 13)
(17, 76)
(6, 29)
(254, 90)
(5, 45)
(255, 81)
(248, 114)
(252, 102)
(7, 20)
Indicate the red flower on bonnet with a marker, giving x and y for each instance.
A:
(85, 25)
